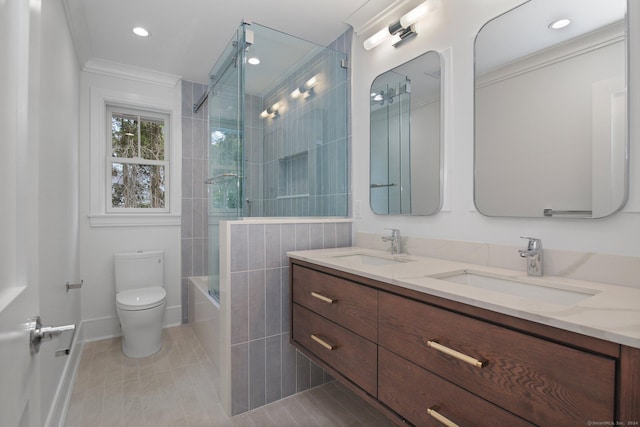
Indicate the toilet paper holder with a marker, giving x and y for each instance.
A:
(74, 285)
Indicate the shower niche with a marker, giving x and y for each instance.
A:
(293, 181)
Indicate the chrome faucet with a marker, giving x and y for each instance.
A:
(533, 254)
(394, 239)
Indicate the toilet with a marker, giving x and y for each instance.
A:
(140, 301)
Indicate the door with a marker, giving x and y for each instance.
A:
(19, 370)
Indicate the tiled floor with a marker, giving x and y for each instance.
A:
(175, 388)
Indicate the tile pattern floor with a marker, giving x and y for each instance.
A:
(175, 387)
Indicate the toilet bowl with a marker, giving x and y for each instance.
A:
(141, 312)
(140, 301)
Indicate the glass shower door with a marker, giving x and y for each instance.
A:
(225, 183)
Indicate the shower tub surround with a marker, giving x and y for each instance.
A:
(248, 335)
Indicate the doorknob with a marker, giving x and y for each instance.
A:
(39, 333)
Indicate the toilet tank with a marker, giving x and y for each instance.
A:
(138, 269)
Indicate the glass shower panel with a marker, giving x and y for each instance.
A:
(224, 185)
(278, 132)
(296, 118)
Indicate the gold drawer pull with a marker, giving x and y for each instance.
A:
(460, 356)
(441, 418)
(322, 298)
(323, 342)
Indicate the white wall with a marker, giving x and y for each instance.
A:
(425, 157)
(59, 97)
(98, 244)
(451, 29)
(560, 89)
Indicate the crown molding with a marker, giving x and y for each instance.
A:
(129, 72)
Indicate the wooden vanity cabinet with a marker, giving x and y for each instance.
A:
(421, 397)
(344, 302)
(545, 382)
(425, 359)
(335, 320)
(350, 354)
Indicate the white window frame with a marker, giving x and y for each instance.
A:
(100, 213)
(141, 114)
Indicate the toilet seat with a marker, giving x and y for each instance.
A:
(141, 299)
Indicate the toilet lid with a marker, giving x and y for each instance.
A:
(141, 299)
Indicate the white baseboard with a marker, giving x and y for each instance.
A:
(173, 316)
(101, 328)
(60, 404)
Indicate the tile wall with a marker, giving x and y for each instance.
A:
(316, 128)
(264, 366)
(195, 248)
(254, 156)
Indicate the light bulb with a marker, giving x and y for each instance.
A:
(560, 23)
(142, 32)
(377, 38)
(311, 82)
(412, 16)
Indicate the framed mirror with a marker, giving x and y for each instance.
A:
(551, 110)
(406, 138)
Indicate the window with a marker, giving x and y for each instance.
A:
(138, 160)
(134, 151)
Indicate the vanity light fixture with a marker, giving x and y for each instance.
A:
(559, 23)
(271, 112)
(400, 31)
(305, 90)
(141, 32)
(253, 60)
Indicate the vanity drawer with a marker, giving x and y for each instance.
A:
(541, 381)
(412, 391)
(350, 354)
(352, 305)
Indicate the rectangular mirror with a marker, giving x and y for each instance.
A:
(551, 110)
(405, 144)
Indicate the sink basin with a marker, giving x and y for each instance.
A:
(369, 259)
(522, 287)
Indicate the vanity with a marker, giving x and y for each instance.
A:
(436, 342)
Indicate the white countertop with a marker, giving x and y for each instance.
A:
(609, 312)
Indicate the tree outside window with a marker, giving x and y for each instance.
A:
(138, 159)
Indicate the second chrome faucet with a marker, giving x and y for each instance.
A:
(394, 239)
(533, 254)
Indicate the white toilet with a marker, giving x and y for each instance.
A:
(140, 301)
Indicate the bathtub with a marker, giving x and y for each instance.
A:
(204, 316)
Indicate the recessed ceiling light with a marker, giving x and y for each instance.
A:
(560, 23)
(253, 61)
(142, 32)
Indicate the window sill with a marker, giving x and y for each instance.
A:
(134, 220)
